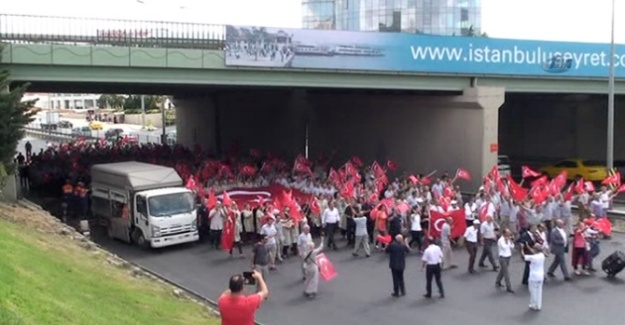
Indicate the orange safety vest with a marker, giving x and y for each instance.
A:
(125, 212)
(68, 189)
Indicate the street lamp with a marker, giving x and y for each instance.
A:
(610, 149)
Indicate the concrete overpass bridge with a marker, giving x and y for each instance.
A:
(269, 105)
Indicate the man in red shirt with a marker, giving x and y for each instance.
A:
(235, 307)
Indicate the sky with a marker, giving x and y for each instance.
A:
(553, 20)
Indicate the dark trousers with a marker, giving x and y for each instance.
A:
(351, 232)
(398, 282)
(238, 245)
(487, 251)
(370, 227)
(214, 238)
(415, 237)
(472, 249)
(526, 273)
(330, 230)
(433, 271)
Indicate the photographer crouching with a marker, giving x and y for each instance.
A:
(235, 307)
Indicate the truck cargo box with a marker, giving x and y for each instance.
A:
(135, 176)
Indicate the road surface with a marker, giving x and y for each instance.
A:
(361, 292)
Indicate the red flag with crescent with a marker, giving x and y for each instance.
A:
(326, 268)
(437, 219)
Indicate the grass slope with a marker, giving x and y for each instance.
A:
(49, 279)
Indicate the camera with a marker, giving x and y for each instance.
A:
(248, 278)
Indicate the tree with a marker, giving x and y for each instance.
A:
(14, 115)
(110, 101)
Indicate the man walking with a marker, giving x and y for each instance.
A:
(362, 237)
(260, 257)
(432, 259)
(303, 247)
(330, 220)
(470, 240)
(488, 239)
(397, 263)
(446, 244)
(558, 249)
(505, 246)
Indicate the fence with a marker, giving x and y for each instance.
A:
(63, 135)
(110, 32)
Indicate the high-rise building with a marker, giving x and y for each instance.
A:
(439, 17)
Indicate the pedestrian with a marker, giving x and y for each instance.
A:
(330, 220)
(397, 263)
(260, 256)
(311, 285)
(488, 239)
(536, 276)
(505, 246)
(362, 236)
(559, 244)
(235, 216)
(470, 241)
(269, 232)
(216, 217)
(528, 239)
(432, 259)
(416, 231)
(236, 308)
(446, 244)
(303, 243)
(579, 249)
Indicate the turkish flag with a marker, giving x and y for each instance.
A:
(391, 165)
(357, 161)
(494, 173)
(300, 167)
(579, 186)
(384, 240)
(314, 206)
(483, 211)
(437, 219)
(302, 160)
(541, 181)
(539, 194)
(589, 187)
(191, 184)
(621, 189)
(226, 199)
(212, 199)
(334, 177)
(487, 185)
(612, 179)
(413, 179)
(378, 171)
(517, 192)
(568, 195)
(255, 153)
(227, 236)
(348, 190)
(560, 180)
(448, 192)
(528, 172)
(326, 269)
(463, 174)
(604, 225)
(350, 169)
(426, 181)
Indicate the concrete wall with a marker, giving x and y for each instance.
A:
(420, 134)
(155, 119)
(559, 126)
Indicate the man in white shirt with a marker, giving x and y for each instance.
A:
(361, 233)
(303, 246)
(432, 259)
(330, 221)
(470, 209)
(470, 241)
(446, 244)
(488, 238)
(505, 244)
(216, 224)
(270, 232)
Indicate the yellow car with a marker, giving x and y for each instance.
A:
(96, 126)
(590, 170)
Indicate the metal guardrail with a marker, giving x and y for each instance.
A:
(110, 32)
(67, 135)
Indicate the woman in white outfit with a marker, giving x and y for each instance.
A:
(312, 269)
(536, 277)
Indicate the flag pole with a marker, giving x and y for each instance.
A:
(610, 140)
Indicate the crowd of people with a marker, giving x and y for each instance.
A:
(373, 208)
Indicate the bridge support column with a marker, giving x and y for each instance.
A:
(196, 122)
(490, 100)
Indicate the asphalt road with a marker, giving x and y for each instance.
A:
(361, 292)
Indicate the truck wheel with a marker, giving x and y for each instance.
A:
(139, 239)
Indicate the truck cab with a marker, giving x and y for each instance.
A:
(143, 204)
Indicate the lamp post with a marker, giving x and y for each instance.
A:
(143, 112)
(610, 149)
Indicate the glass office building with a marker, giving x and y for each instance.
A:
(439, 17)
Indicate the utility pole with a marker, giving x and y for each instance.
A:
(610, 142)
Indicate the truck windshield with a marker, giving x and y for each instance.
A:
(170, 204)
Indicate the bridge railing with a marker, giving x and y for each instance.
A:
(110, 32)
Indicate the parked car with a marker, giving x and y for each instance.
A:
(113, 134)
(65, 125)
(590, 170)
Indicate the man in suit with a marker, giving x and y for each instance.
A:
(397, 263)
(558, 239)
(528, 240)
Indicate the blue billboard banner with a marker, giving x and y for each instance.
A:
(398, 52)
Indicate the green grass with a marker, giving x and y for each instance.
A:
(48, 280)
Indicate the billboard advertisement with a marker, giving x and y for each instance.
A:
(264, 47)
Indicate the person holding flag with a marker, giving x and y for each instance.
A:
(311, 285)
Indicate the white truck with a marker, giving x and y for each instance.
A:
(143, 204)
(49, 120)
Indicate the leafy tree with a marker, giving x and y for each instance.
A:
(111, 101)
(14, 115)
